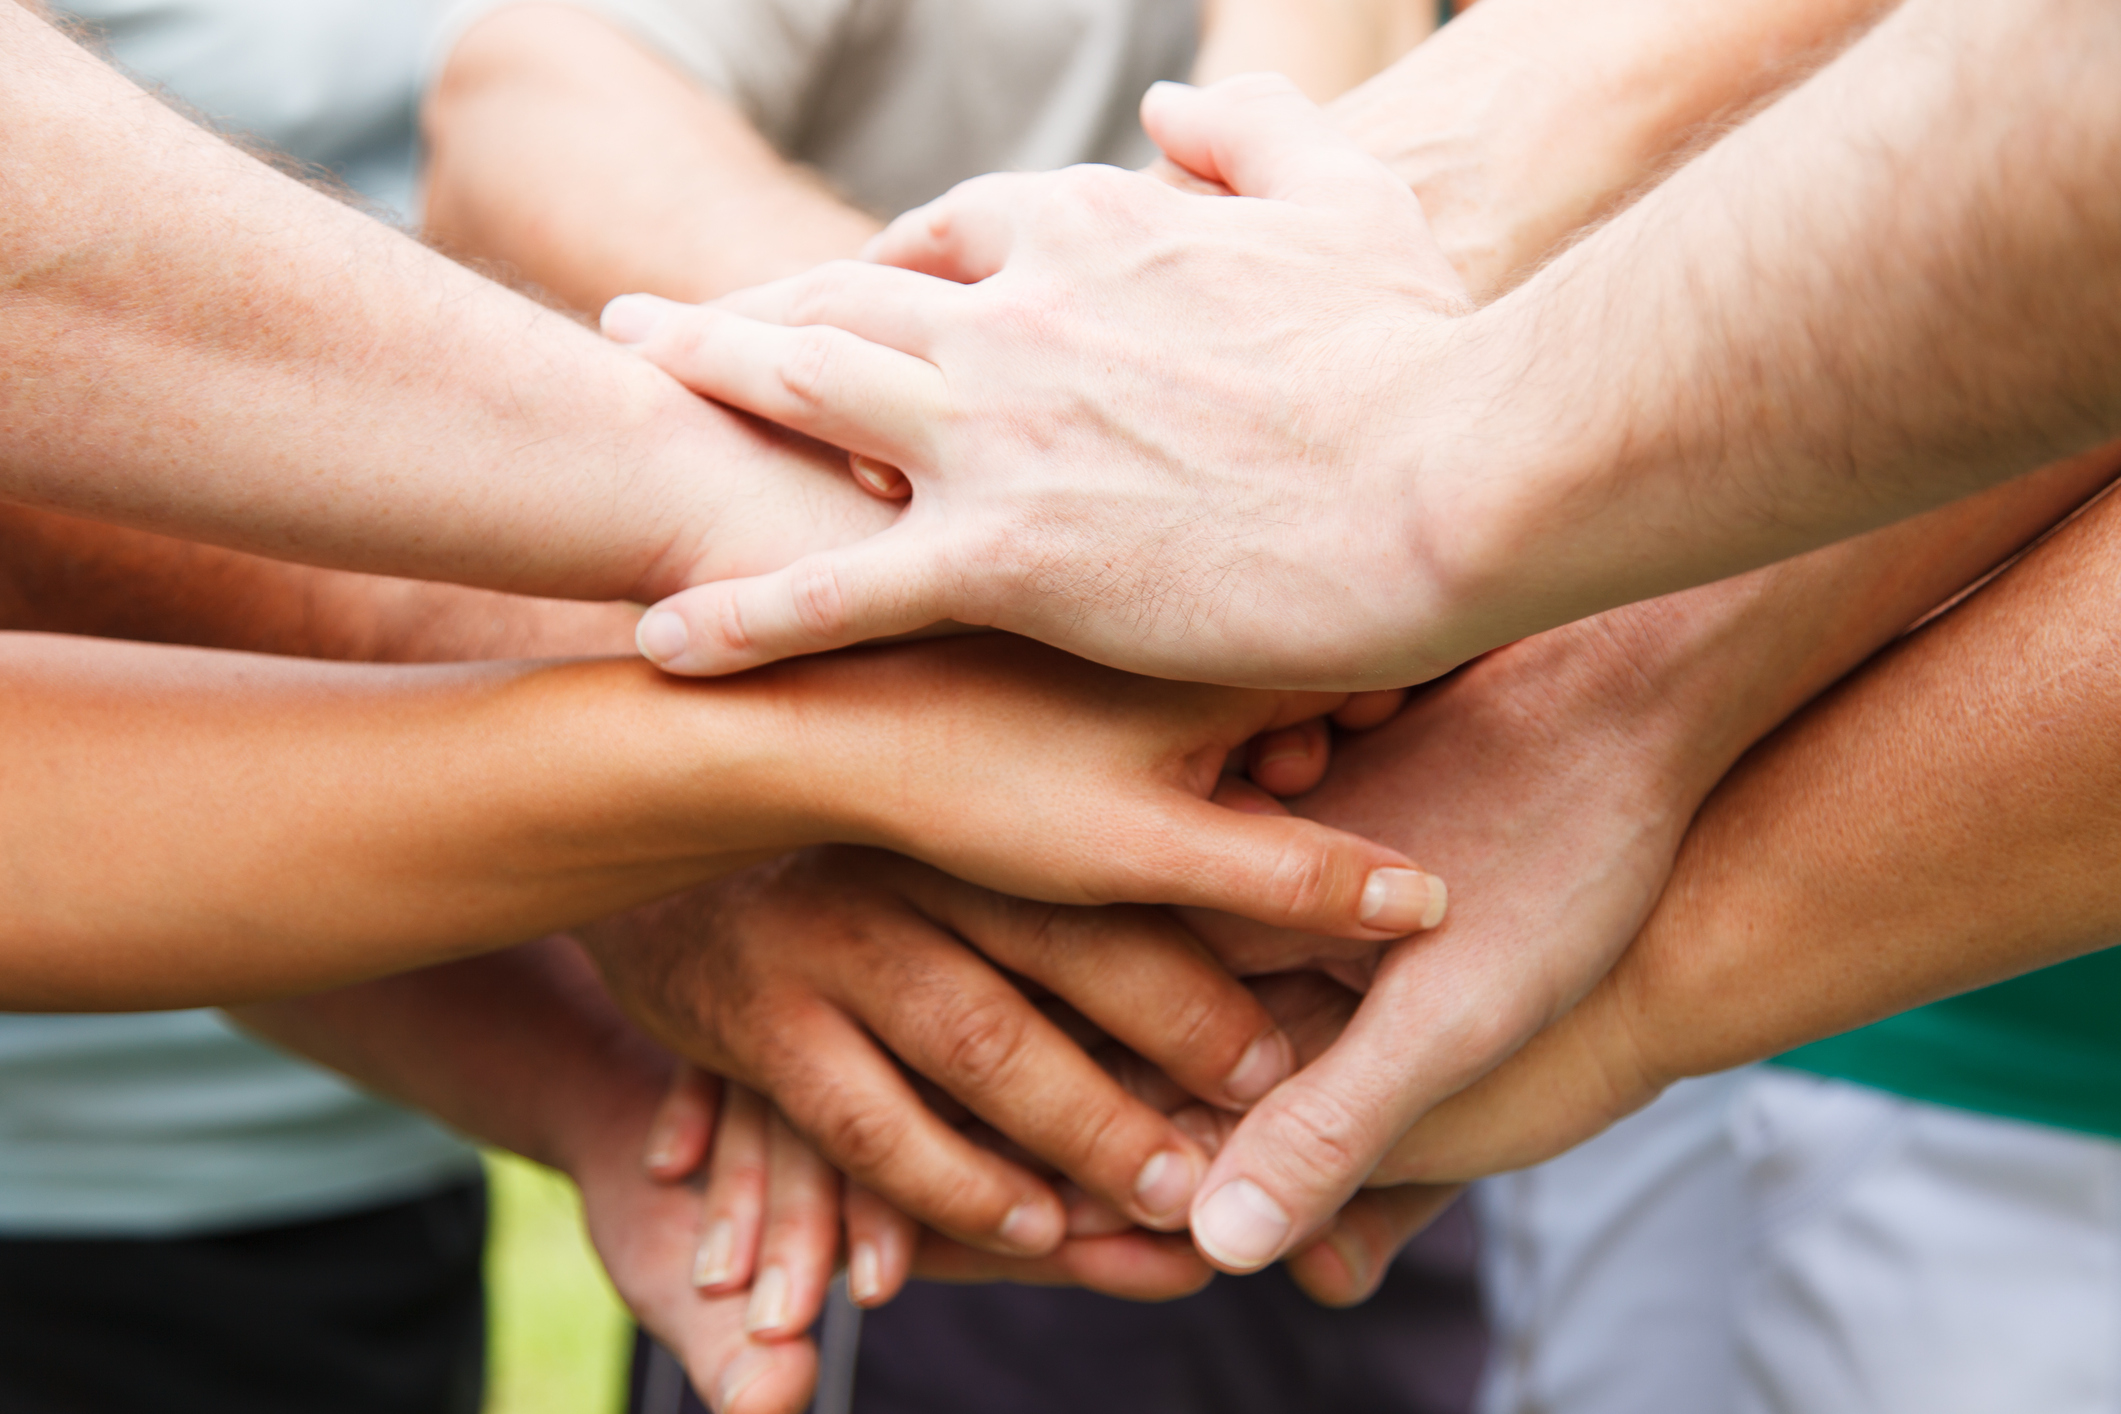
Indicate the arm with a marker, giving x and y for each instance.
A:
(521, 1049)
(1944, 820)
(567, 150)
(1324, 48)
(390, 817)
(1642, 392)
(63, 575)
(1522, 123)
(191, 342)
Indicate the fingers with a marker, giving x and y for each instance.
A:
(956, 1021)
(1291, 760)
(838, 1090)
(732, 1209)
(1299, 1156)
(964, 235)
(1135, 1266)
(1259, 136)
(801, 1239)
(683, 1128)
(1344, 1265)
(818, 379)
(887, 584)
(1364, 711)
(1135, 974)
(1283, 871)
(880, 1243)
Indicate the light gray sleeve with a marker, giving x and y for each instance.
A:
(764, 55)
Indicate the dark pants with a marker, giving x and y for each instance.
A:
(1246, 1345)
(375, 1312)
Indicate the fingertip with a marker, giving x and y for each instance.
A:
(662, 636)
(1398, 900)
(1239, 1227)
(634, 319)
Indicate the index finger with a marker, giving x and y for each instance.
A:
(965, 234)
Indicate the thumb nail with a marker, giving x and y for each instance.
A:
(630, 319)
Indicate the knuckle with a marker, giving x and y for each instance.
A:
(806, 370)
(1304, 881)
(981, 1046)
(1321, 1143)
(861, 1136)
(817, 598)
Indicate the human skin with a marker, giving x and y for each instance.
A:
(193, 343)
(392, 816)
(1943, 821)
(1636, 390)
(521, 1049)
(568, 152)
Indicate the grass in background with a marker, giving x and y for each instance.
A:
(557, 1337)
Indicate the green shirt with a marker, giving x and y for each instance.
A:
(2045, 1047)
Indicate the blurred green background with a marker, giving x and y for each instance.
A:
(557, 1337)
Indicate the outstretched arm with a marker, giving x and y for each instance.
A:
(188, 826)
(192, 342)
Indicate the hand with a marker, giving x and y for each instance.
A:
(1022, 769)
(1557, 778)
(795, 977)
(1152, 433)
(645, 1231)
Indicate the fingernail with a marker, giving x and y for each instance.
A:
(1265, 1064)
(741, 1372)
(769, 1301)
(1403, 900)
(1353, 1258)
(716, 1260)
(1030, 1228)
(1240, 1226)
(865, 1273)
(1165, 1185)
(886, 481)
(661, 636)
(662, 1145)
(630, 319)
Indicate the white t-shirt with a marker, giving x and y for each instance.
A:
(173, 1122)
(896, 101)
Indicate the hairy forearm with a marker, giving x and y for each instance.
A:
(1325, 46)
(195, 344)
(565, 150)
(1523, 122)
(1893, 286)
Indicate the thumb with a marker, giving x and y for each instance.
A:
(872, 589)
(1259, 136)
(1281, 870)
(1304, 1150)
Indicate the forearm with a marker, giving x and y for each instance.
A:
(1946, 820)
(1805, 352)
(1325, 46)
(567, 151)
(196, 344)
(186, 827)
(1941, 821)
(59, 574)
(513, 1049)
(1524, 121)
